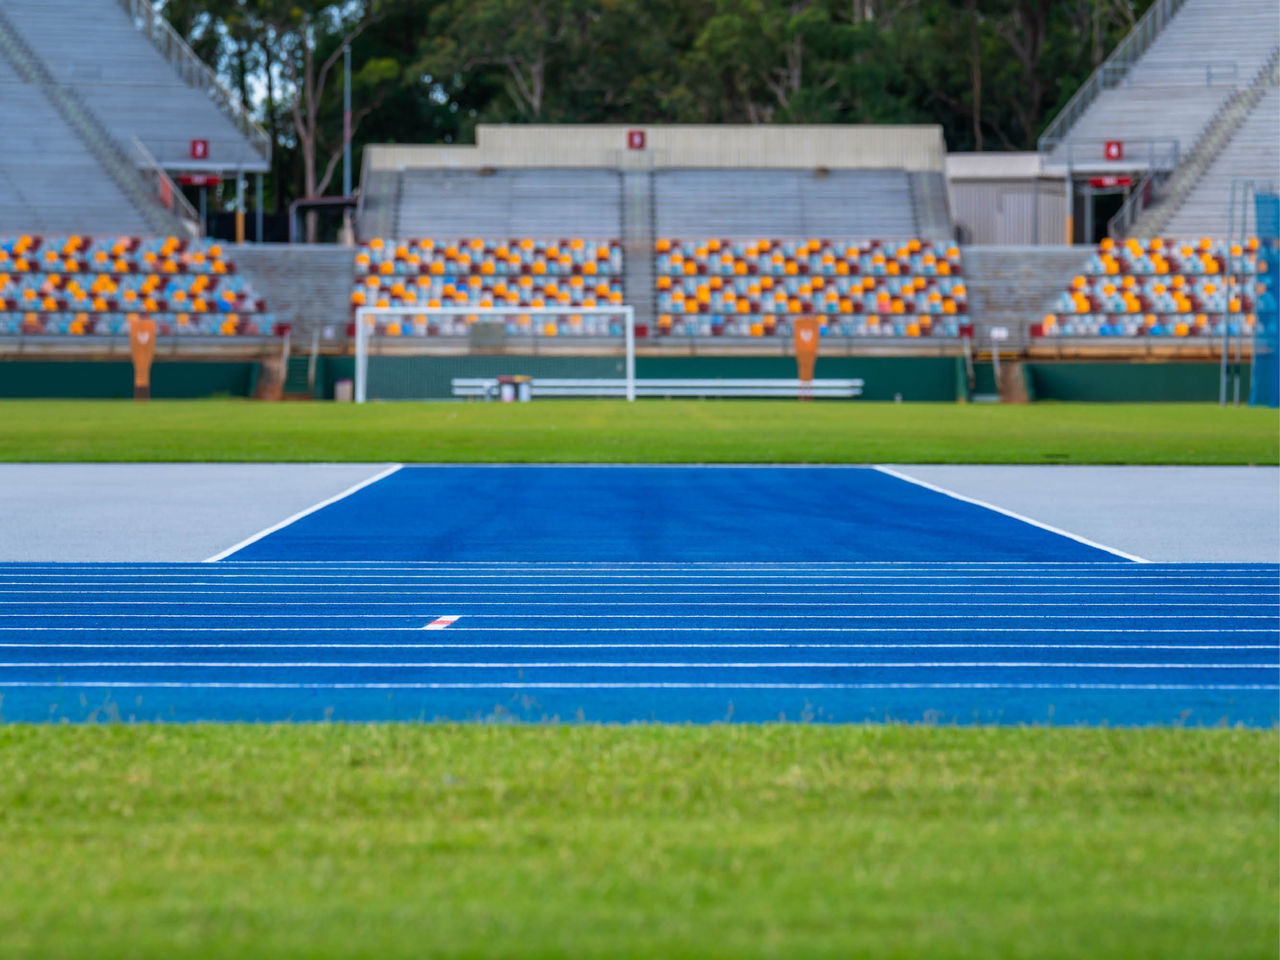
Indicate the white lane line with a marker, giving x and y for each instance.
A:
(630, 565)
(624, 665)
(604, 685)
(634, 629)
(209, 577)
(383, 474)
(325, 603)
(772, 617)
(441, 623)
(906, 478)
(640, 646)
(323, 595)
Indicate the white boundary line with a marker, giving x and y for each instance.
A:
(652, 685)
(369, 481)
(890, 471)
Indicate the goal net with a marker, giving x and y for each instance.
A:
(443, 353)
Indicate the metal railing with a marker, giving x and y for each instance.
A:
(1126, 53)
(1143, 195)
(1160, 153)
(1121, 74)
(167, 193)
(195, 72)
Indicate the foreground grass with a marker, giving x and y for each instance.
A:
(653, 431)
(782, 841)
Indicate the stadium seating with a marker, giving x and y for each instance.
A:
(1173, 91)
(1159, 288)
(869, 288)
(494, 203)
(478, 272)
(789, 203)
(93, 48)
(79, 285)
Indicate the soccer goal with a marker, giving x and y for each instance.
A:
(440, 353)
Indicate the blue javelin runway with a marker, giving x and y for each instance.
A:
(658, 513)
(1107, 642)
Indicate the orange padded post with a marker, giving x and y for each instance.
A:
(142, 347)
(806, 331)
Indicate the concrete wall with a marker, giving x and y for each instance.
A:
(937, 379)
(837, 147)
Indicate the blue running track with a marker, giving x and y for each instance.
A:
(625, 594)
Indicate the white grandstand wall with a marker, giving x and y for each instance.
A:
(833, 146)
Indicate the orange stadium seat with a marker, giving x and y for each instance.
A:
(751, 288)
(80, 286)
(1159, 288)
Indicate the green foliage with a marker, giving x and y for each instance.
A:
(588, 431)
(492, 840)
(992, 72)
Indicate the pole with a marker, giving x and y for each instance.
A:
(630, 318)
(1035, 210)
(1088, 214)
(362, 350)
(239, 206)
(346, 120)
(258, 212)
(1071, 209)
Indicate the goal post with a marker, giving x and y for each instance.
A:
(493, 337)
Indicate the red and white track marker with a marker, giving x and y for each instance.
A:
(439, 623)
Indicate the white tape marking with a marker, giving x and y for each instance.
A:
(223, 554)
(889, 471)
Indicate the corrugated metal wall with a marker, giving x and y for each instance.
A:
(1001, 212)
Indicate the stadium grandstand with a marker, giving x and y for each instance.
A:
(717, 237)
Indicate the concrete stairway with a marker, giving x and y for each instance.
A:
(1014, 286)
(306, 286)
(296, 376)
(637, 234)
(379, 205)
(929, 200)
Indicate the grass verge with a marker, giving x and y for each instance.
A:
(396, 841)
(651, 431)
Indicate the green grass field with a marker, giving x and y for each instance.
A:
(583, 842)
(650, 431)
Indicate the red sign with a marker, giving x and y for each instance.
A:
(1102, 182)
(1113, 150)
(198, 180)
(199, 149)
(635, 139)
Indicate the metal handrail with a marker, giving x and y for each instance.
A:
(196, 72)
(1163, 152)
(1127, 51)
(1139, 199)
(168, 193)
(1121, 74)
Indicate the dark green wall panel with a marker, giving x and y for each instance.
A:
(87, 379)
(1129, 382)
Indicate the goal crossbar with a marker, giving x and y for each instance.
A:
(365, 329)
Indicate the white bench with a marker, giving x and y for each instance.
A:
(487, 387)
